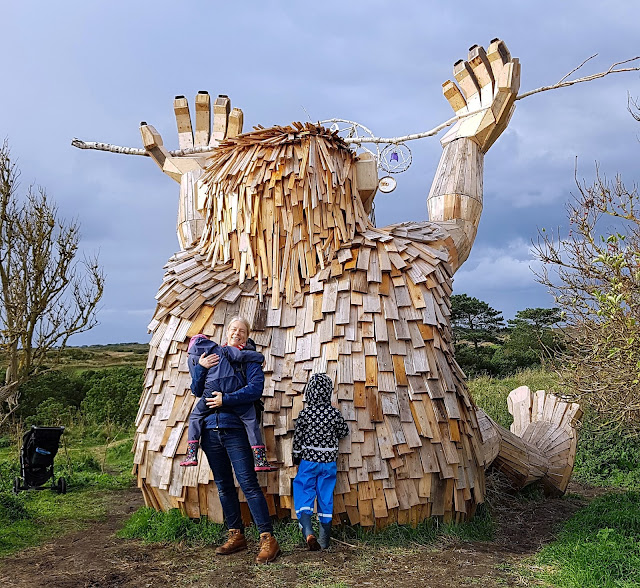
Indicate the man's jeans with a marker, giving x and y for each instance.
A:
(225, 448)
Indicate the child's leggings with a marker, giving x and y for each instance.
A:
(315, 480)
(248, 417)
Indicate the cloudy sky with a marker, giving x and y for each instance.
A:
(94, 70)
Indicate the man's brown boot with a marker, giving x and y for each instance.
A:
(269, 548)
(235, 542)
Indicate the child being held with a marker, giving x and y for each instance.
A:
(318, 429)
(223, 378)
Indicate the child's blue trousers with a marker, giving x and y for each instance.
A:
(315, 480)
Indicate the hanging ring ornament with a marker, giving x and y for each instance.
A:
(349, 129)
(395, 159)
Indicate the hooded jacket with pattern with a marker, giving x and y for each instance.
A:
(319, 425)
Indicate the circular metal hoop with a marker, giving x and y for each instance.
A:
(395, 159)
(349, 129)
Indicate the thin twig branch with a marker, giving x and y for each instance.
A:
(584, 79)
(80, 144)
(563, 83)
(575, 69)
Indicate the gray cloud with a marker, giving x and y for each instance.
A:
(95, 70)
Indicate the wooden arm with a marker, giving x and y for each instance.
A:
(455, 198)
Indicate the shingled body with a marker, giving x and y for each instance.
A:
(274, 228)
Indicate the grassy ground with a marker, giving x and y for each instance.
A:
(161, 527)
(91, 468)
(598, 546)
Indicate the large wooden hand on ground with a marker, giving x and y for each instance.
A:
(186, 169)
(488, 83)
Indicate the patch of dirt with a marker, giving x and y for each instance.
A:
(95, 558)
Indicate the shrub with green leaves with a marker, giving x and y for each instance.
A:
(113, 395)
(52, 413)
(606, 458)
(53, 385)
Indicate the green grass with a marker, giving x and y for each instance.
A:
(92, 472)
(173, 527)
(598, 547)
(490, 394)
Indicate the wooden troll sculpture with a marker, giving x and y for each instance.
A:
(273, 225)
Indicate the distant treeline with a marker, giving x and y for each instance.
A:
(486, 344)
(62, 397)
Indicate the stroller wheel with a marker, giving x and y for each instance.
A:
(16, 485)
(62, 486)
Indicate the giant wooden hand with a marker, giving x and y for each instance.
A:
(187, 169)
(487, 87)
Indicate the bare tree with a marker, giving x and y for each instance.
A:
(46, 294)
(594, 274)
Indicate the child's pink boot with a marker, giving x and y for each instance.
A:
(260, 459)
(191, 458)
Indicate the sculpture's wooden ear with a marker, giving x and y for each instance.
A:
(367, 179)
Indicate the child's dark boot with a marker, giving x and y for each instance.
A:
(325, 535)
(260, 459)
(307, 531)
(191, 458)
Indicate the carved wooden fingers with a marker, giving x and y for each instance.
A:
(487, 85)
(226, 123)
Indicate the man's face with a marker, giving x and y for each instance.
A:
(237, 334)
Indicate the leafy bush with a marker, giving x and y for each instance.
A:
(606, 458)
(77, 353)
(52, 413)
(52, 385)
(113, 395)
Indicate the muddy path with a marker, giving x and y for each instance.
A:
(94, 557)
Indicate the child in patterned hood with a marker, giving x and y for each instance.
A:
(319, 427)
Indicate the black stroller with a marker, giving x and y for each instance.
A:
(39, 447)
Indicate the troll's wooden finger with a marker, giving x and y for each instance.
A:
(454, 97)
(508, 86)
(468, 84)
(482, 70)
(504, 102)
(203, 118)
(236, 118)
(498, 56)
(221, 109)
(153, 144)
(499, 128)
(183, 122)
